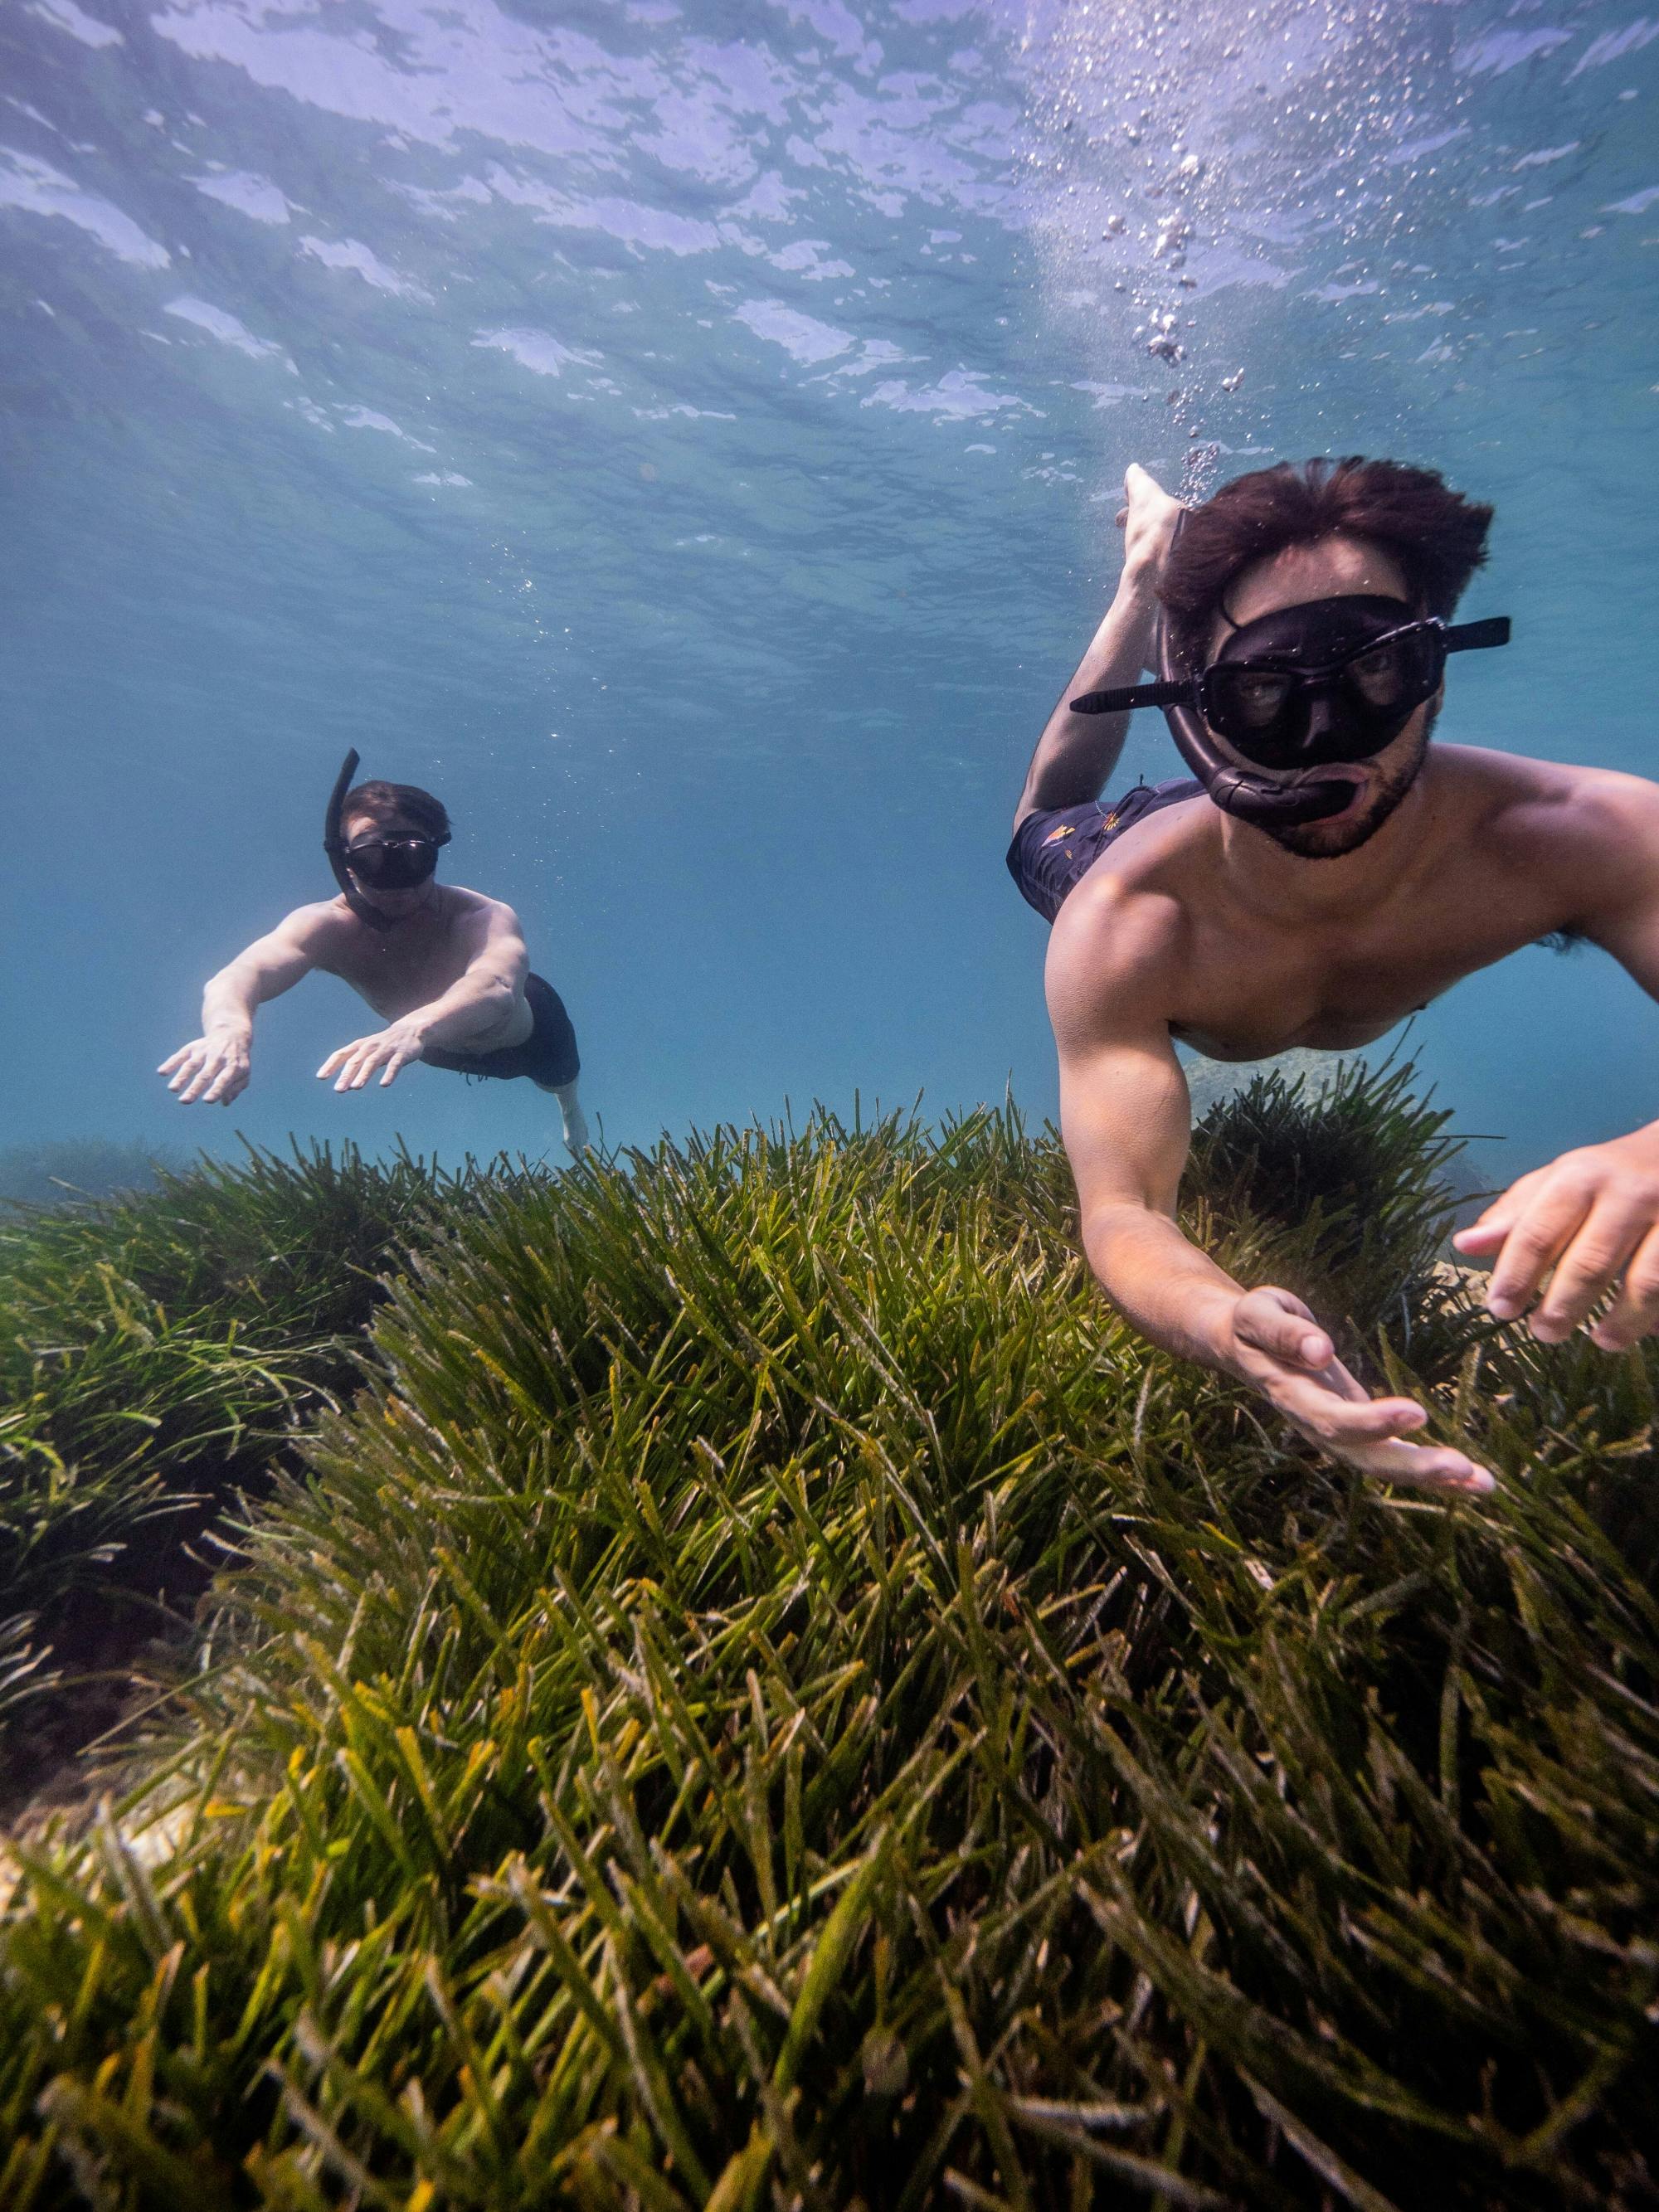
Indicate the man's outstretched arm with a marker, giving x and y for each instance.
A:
(1125, 1119)
(1076, 753)
(214, 1068)
(1583, 1231)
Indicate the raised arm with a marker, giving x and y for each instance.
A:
(466, 1017)
(213, 1068)
(1125, 1119)
(1076, 753)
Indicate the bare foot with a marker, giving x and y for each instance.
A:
(575, 1121)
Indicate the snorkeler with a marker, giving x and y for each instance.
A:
(446, 968)
(1322, 873)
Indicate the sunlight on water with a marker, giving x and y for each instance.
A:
(688, 439)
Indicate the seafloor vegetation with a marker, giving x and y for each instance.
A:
(756, 1691)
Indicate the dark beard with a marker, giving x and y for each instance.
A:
(1321, 841)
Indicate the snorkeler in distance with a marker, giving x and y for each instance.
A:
(446, 968)
(1324, 872)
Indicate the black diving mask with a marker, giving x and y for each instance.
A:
(1330, 680)
(1327, 680)
(394, 864)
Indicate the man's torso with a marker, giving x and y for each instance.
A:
(416, 960)
(1500, 849)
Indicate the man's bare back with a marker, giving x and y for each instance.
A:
(1242, 941)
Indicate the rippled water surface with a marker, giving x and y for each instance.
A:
(687, 438)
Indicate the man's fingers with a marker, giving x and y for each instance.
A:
(1281, 1326)
(354, 1064)
(1487, 1234)
(1587, 1270)
(1635, 1312)
(1334, 1411)
(1336, 1422)
(205, 1073)
(230, 1081)
(1336, 1377)
(1488, 1230)
(1532, 1246)
(1425, 1467)
(1482, 1237)
(344, 1064)
(362, 1064)
(1373, 1436)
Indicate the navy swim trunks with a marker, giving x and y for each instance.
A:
(1054, 847)
(548, 1056)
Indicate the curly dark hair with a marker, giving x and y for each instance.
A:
(1438, 536)
(381, 801)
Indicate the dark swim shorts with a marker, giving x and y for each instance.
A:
(548, 1056)
(1054, 847)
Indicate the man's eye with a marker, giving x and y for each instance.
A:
(1261, 696)
(1377, 673)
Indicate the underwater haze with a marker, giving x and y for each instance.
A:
(687, 438)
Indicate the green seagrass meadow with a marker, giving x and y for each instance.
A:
(731, 1678)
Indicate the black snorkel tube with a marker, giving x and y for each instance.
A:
(1237, 789)
(334, 846)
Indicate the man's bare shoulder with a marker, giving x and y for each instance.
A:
(1115, 949)
(322, 923)
(480, 916)
(1555, 812)
(322, 933)
(473, 902)
(1586, 839)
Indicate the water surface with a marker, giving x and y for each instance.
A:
(687, 439)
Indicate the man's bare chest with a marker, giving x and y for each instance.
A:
(394, 977)
(1245, 992)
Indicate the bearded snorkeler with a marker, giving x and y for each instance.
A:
(446, 968)
(1323, 872)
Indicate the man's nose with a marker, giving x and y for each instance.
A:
(1322, 716)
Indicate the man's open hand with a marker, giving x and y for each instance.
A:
(214, 1070)
(1586, 1223)
(1147, 518)
(1279, 1347)
(389, 1049)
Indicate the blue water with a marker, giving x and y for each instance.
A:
(687, 439)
